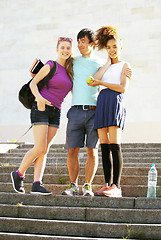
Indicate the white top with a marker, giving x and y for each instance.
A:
(113, 74)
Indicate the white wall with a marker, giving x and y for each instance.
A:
(30, 28)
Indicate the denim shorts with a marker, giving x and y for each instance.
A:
(80, 128)
(50, 117)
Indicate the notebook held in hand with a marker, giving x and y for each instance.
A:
(36, 66)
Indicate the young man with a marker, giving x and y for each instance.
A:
(81, 116)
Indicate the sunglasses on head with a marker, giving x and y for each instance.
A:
(65, 39)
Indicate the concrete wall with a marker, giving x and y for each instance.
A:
(30, 28)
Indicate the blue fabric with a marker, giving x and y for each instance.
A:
(110, 110)
(80, 129)
(50, 117)
(84, 67)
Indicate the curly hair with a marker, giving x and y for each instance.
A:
(104, 34)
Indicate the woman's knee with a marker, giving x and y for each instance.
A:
(40, 150)
(115, 135)
(103, 135)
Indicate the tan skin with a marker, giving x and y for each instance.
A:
(85, 49)
(112, 134)
(43, 134)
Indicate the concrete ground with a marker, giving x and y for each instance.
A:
(5, 147)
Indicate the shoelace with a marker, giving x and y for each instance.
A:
(87, 187)
(70, 186)
(21, 181)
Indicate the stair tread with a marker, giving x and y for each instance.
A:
(81, 222)
(80, 217)
(21, 236)
(74, 228)
(62, 200)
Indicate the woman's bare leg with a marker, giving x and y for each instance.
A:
(40, 162)
(40, 141)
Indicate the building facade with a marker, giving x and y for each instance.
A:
(29, 29)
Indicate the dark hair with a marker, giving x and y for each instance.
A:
(104, 34)
(86, 32)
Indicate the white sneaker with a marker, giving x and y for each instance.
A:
(87, 190)
(71, 190)
(113, 191)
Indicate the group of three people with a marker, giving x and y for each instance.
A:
(88, 118)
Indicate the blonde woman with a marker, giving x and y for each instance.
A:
(45, 116)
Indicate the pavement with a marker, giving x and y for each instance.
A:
(5, 147)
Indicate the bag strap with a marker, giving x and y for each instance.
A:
(24, 134)
(47, 78)
(53, 70)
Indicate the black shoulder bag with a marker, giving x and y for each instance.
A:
(25, 95)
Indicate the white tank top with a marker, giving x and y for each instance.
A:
(113, 74)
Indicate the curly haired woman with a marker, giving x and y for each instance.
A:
(110, 111)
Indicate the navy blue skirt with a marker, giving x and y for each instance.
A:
(110, 110)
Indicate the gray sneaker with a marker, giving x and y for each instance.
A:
(17, 182)
(72, 190)
(87, 190)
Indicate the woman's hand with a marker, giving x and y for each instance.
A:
(128, 72)
(94, 83)
(41, 103)
(34, 89)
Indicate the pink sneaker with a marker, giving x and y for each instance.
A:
(112, 191)
(100, 192)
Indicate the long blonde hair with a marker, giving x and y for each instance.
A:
(69, 67)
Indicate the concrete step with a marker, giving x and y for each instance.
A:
(80, 201)
(127, 170)
(78, 228)
(127, 190)
(130, 147)
(84, 155)
(146, 216)
(27, 213)
(21, 236)
(63, 160)
(123, 145)
(83, 150)
(23, 216)
(77, 201)
(64, 178)
(82, 165)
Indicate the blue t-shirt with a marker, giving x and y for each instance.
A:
(83, 67)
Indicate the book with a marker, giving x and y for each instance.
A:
(36, 66)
